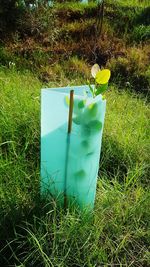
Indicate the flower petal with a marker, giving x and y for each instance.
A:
(94, 70)
(102, 76)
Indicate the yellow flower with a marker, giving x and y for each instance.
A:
(102, 76)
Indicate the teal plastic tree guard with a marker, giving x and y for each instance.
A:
(70, 162)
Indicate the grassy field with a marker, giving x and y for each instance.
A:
(34, 232)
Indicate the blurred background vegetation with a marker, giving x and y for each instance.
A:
(48, 36)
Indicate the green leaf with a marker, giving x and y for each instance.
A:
(101, 89)
(92, 109)
(80, 174)
(81, 104)
(86, 131)
(85, 144)
(77, 120)
(95, 125)
(76, 108)
(90, 113)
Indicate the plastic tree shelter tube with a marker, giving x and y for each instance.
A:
(73, 169)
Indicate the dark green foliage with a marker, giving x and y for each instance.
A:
(132, 21)
(5, 57)
(141, 33)
(143, 17)
(123, 17)
(10, 12)
(18, 17)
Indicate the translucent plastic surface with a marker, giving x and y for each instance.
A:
(70, 162)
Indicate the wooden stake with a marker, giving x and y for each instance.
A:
(68, 145)
(70, 111)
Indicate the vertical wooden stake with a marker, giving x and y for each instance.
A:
(68, 144)
(70, 111)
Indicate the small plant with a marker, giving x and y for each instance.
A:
(101, 80)
(87, 114)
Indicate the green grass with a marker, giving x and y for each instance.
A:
(133, 3)
(34, 232)
(141, 33)
(76, 6)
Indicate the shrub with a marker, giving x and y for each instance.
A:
(141, 33)
(132, 68)
(144, 17)
(38, 22)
